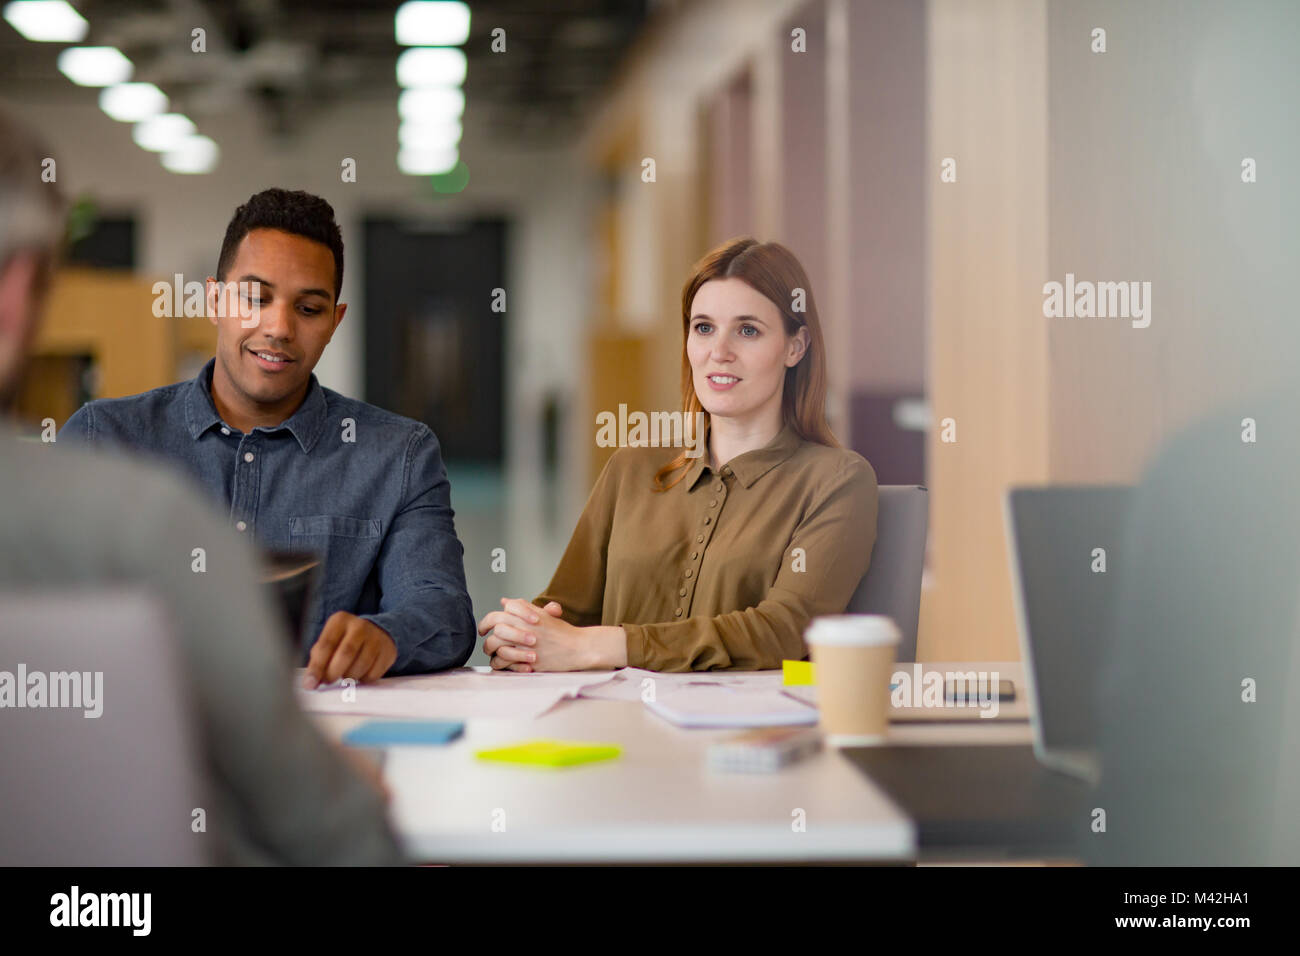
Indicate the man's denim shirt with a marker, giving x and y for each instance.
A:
(361, 487)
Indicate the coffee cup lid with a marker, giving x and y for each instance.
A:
(858, 630)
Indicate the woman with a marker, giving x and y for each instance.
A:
(721, 560)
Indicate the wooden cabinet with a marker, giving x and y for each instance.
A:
(103, 321)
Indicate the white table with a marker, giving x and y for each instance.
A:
(657, 803)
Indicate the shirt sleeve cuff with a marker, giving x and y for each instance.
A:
(637, 652)
(390, 625)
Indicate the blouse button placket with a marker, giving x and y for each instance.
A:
(686, 592)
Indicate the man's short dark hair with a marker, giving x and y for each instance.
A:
(293, 211)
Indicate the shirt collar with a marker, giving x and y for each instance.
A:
(696, 470)
(752, 465)
(305, 424)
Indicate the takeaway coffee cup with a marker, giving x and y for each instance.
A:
(854, 659)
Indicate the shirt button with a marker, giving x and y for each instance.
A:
(689, 572)
(682, 593)
(241, 526)
(225, 431)
(694, 555)
(248, 456)
(726, 469)
(707, 519)
(718, 486)
(699, 538)
(677, 613)
(713, 503)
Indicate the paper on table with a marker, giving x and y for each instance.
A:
(467, 692)
(722, 706)
(628, 683)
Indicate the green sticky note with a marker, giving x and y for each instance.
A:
(551, 753)
(795, 673)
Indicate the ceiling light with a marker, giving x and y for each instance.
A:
(48, 21)
(162, 133)
(427, 162)
(132, 102)
(435, 104)
(95, 65)
(431, 66)
(431, 24)
(427, 136)
(197, 154)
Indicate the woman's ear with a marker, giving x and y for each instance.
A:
(797, 347)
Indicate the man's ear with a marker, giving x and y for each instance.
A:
(339, 309)
(798, 347)
(213, 289)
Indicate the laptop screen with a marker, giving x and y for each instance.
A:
(1066, 547)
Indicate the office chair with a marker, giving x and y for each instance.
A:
(892, 584)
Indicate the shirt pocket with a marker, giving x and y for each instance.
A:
(334, 525)
(347, 548)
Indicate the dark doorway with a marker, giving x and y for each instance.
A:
(434, 346)
(108, 244)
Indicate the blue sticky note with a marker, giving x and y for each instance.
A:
(398, 733)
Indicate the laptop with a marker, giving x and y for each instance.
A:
(1029, 801)
(1065, 544)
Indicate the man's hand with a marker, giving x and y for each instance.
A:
(349, 646)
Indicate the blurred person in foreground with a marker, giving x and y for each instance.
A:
(283, 793)
(1197, 704)
(718, 559)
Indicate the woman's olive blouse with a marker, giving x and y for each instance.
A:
(725, 569)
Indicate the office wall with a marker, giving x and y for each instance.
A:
(876, 186)
(885, 193)
(988, 369)
(1117, 166)
(1147, 142)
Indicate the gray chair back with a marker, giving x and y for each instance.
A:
(116, 789)
(892, 584)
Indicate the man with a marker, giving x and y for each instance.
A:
(301, 467)
(282, 793)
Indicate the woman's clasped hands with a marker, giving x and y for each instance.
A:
(523, 637)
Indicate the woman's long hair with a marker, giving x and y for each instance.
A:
(772, 270)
